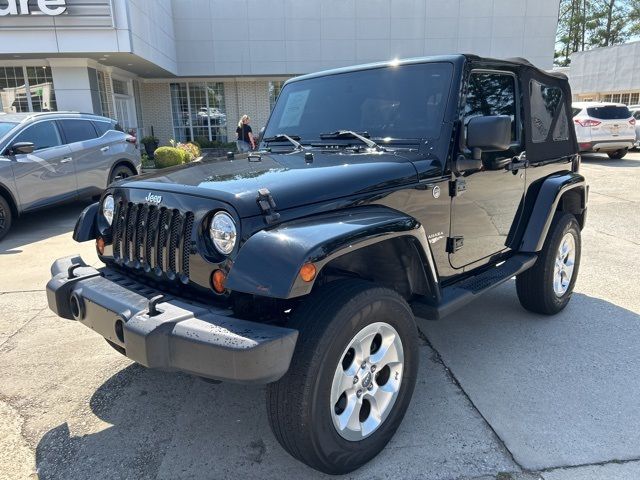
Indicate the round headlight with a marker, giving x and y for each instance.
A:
(223, 232)
(107, 208)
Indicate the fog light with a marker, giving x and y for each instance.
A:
(218, 278)
(100, 245)
(308, 272)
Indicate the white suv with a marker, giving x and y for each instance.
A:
(604, 127)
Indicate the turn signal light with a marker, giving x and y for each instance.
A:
(218, 279)
(308, 272)
(100, 245)
(632, 121)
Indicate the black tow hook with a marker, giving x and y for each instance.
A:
(153, 302)
(72, 268)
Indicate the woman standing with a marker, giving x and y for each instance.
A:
(245, 141)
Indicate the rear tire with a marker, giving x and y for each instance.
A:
(120, 172)
(6, 217)
(341, 355)
(546, 288)
(618, 154)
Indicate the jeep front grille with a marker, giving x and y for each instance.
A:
(153, 239)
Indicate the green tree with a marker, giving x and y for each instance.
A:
(585, 24)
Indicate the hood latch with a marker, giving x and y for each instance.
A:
(268, 206)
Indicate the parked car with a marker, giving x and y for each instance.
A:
(635, 111)
(211, 116)
(52, 157)
(379, 191)
(604, 127)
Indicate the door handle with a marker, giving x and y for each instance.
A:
(66, 160)
(104, 149)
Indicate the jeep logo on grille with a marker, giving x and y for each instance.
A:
(151, 198)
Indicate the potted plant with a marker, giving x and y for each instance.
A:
(150, 144)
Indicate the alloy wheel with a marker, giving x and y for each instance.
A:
(564, 264)
(367, 381)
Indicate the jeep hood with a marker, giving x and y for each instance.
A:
(291, 181)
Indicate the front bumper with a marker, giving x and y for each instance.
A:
(179, 335)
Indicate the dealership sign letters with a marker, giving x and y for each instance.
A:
(22, 7)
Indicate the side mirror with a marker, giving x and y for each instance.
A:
(491, 133)
(21, 147)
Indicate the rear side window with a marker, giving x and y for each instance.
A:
(42, 135)
(78, 130)
(102, 127)
(575, 111)
(547, 113)
(636, 114)
(492, 94)
(609, 112)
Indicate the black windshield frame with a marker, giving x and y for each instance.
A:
(385, 102)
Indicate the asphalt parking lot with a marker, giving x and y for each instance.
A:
(502, 393)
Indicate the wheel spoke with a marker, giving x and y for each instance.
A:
(350, 418)
(388, 353)
(344, 382)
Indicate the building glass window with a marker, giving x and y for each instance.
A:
(43, 98)
(634, 98)
(102, 90)
(615, 98)
(26, 89)
(606, 98)
(274, 91)
(198, 111)
(624, 98)
(120, 87)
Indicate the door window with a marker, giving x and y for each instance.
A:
(492, 93)
(78, 130)
(42, 135)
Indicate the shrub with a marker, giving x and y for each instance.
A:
(192, 149)
(149, 139)
(169, 156)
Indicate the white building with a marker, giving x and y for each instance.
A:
(608, 74)
(189, 68)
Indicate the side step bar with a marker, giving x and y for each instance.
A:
(459, 294)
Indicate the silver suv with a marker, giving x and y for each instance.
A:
(54, 157)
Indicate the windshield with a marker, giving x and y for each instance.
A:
(609, 112)
(405, 102)
(5, 127)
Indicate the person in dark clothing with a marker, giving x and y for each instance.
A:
(245, 141)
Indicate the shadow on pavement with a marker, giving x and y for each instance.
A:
(41, 225)
(605, 161)
(560, 390)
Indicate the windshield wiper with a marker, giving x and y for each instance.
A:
(351, 134)
(292, 139)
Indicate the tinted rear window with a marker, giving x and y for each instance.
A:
(405, 102)
(609, 112)
(78, 130)
(103, 127)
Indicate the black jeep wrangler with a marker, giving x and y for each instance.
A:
(379, 192)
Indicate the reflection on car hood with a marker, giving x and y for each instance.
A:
(291, 181)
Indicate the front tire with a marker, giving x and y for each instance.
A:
(618, 154)
(6, 217)
(546, 288)
(351, 377)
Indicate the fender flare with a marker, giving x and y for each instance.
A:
(269, 262)
(547, 200)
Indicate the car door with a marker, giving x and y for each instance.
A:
(88, 155)
(47, 175)
(486, 203)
